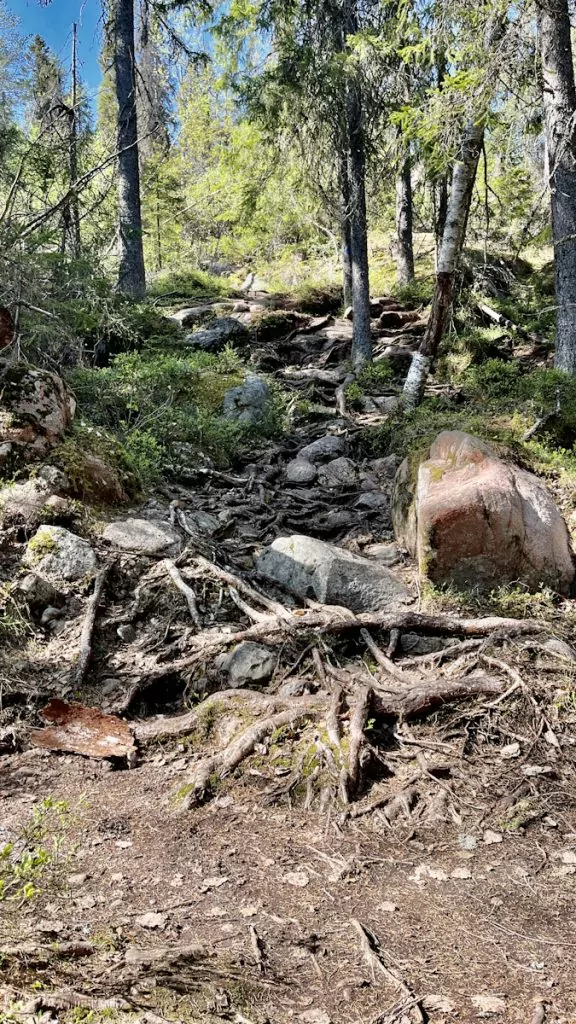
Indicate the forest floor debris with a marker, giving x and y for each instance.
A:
(375, 830)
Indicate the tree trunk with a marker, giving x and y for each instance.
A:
(560, 112)
(131, 274)
(73, 160)
(356, 159)
(345, 238)
(463, 178)
(441, 192)
(404, 223)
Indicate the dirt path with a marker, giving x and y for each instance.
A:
(444, 890)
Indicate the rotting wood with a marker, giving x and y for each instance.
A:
(85, 654)
(83, 730)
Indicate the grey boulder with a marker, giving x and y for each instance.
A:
(58, 554)
(221, 332)
(300, 472)
(249, 402)
(338, 474)
(248, 664)
(310, 568)
(144, 537)
(325, 448)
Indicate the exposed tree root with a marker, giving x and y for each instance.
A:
(186, 590)
(217, 766)
(276, 630)
(88, 627)
(351, 784)
(376, 960)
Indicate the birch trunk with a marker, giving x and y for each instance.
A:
(463, 178)
(404, 224)
(559, 94)
(131, 273)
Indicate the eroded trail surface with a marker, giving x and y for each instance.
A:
(331, 804)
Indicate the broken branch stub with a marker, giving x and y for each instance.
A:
(82, 730)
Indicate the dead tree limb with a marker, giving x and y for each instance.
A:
(88, 627)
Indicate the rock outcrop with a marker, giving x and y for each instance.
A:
(36, 408)
(144, 537)
(308, 567)
(58, 554)
(219, 333)
(248, 403)
(476, 521)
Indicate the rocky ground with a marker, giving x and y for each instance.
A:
(300, 794)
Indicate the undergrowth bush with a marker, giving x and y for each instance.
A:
(150, 412)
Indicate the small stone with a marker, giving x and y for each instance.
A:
(127, 633)
(385, 554)
(152, 920)
(213, 883)
(49, 614)
(467, 842)
(248, 664)
(373, 500)
(510, 751)
(462, 873)
(387, 907)
(300, 472)
(491, 838)
(315, 1017)
(298, 879)
(74, 881)
(489, 1003)
(248, 403)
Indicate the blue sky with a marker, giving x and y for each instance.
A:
(54, 23)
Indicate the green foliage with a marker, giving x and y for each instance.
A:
(35, 855)
(157, 412)
(13, 624)
(192, 284)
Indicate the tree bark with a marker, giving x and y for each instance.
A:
(346, 240)
(131, 273)
(356, 159)
(404, 223)
(73, 162)
(559, 94)
(463, 178)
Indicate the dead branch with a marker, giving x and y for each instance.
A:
(219, 765)
(184, 589)
(88, 627)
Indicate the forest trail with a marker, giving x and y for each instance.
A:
(444, 892)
